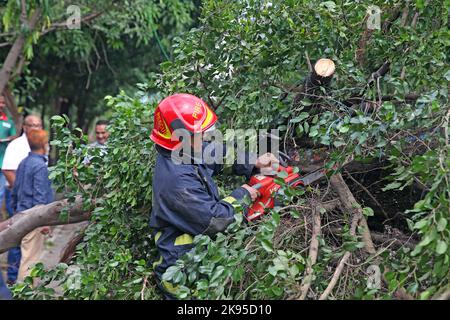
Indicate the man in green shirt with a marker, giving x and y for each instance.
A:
(7, 133)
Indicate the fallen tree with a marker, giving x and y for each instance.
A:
(14, 229)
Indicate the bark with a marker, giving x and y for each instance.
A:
(12, 108)
(362, 44)
(71, 246)
(351, 205)
(15, 52)
(14, 229)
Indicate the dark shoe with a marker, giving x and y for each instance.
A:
(10, 283)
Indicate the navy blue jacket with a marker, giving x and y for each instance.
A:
(186, 203)
(32, 185)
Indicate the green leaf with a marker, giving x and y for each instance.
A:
(282, 174)
(442, 223)
(422, 223)
(344, 129)
(368, 212)
(441, 247)
(391, 186)
(300, 117)
(267, 245)
(314, 132)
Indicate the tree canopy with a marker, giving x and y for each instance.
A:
(385, 108)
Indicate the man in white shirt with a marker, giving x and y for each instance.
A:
(18, 149)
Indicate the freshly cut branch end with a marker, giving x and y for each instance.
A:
(324, 67)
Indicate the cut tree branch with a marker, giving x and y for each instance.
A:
(14, 229)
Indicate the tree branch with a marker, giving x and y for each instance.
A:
(14, 229)
(15, 51)
(313, 247)
(12, 108)
(63, 24)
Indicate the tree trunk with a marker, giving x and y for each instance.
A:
(14, 229)
(81, 119)
(12, 108)
(15, 52)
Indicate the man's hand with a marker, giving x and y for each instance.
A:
(267, 160)
(46, 231)
(253, 192)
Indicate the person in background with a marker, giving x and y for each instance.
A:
(7, 134)
(101, 134)
(32, 187)
(18, 149)
(101, 138)
(15, 152)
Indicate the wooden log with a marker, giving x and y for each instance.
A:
(14, 229)
(69, 249)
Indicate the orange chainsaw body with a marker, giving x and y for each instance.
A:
(267, 189)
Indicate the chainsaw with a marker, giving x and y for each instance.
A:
(268, 188)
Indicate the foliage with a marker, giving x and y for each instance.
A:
(112, 262)
(76, 66)
(243, 59)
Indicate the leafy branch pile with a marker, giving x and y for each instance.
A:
(387, 104)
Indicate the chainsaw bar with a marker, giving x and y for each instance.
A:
(309, 178)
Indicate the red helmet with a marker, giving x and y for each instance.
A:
(178, 111)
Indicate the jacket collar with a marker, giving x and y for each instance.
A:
(37, 156)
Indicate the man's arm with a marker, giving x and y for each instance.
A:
(194, 211)
(40, 186)
(10, 176)
(14, 198)
(10, 163)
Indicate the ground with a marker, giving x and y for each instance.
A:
(54, 246)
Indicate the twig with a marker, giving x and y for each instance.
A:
(310, 68)
(405, 14)
(313, 250)
(144, 286)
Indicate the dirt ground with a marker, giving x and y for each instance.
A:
(54, 245)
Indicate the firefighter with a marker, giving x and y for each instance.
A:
(185, 198)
